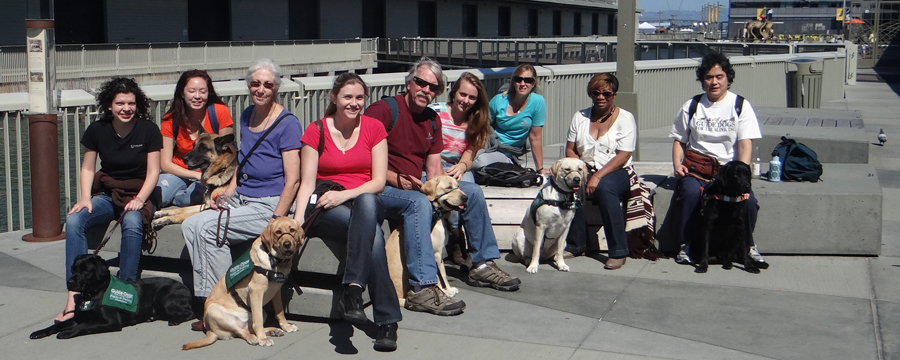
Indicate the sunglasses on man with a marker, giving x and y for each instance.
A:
(422, 83)
(267, 85)
(527, 80)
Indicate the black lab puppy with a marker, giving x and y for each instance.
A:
(723, 228)
(158, 299)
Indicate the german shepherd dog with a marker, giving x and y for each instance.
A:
(723, 228)
(216, 156)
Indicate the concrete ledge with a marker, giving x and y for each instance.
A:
(840, 215)
(837, 136)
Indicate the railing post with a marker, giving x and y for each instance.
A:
(516, 51)
(480, 54)
(559, 52)
(583, 54)
(449, 51)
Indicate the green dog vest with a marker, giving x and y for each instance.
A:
(121, 295)
(241, 268)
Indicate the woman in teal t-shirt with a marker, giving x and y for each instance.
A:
(517, 116)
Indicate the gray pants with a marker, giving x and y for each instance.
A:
(210, 262)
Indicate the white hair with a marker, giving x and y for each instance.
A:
(268, 64)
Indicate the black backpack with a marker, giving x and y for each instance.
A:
(509, 175)
(798, 162)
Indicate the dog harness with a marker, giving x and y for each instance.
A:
(119, 294)
(243, 267)
(570, 202)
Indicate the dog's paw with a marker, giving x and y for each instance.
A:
(752, 269)
(451, 291)
(40, 334)
(761, 265)
(160, 213)
(563, 267)
(252, 340)
(65, 335)
(266, 342)
(275, 332)
(700, 270)
(160, 223)
(532, 269)
(288, 327)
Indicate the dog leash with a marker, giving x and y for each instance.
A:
(220, 240)
(110, 232)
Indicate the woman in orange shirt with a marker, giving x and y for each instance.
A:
(195, 104)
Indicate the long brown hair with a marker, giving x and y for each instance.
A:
(478, 127)
(339, 82)
(178, 108)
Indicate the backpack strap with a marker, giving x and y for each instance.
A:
(321, 147)
(739, 104)
(693, 108)
(392, 103)
(213, 120)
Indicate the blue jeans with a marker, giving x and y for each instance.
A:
(366, 262)
(414, 210)
(103, 211)
(686, 205)
(612, 191)
(178, 191)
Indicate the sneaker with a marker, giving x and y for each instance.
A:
(387, 338)
(491, 275)
(754, 254)
(432, 300)
(682, 257)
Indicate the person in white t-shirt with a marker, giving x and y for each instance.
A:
(603, 136)
(716, 130)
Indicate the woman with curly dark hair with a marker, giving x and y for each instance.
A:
(195, 108)
(128, 145)
(717, 125)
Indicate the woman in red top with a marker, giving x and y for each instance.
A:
(195, 104)
(354, 155)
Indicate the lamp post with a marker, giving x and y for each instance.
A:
(42, 122)
(625, 69)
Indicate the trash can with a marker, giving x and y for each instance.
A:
(804, 85)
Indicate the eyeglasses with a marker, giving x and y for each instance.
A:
(422, 83)
(527, 80)
(597, 93)
(267, 85)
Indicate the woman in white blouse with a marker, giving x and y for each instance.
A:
(603, 136)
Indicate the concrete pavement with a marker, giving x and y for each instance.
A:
(802, 307)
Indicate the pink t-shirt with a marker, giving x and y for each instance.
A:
(353, 168)
(454, 136)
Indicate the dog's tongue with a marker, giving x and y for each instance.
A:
(576, 187)
(461, 207)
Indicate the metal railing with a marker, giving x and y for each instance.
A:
(662, 87)
(79, 62)
(466, 53)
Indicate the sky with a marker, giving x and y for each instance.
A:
(686, 5)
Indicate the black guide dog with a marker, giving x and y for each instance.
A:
(158, 299)
(723, 229)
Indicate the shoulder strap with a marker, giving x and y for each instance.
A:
(392, 103)
(213, 121)
(693, 108)
(258, 142)
(321, 147)
(739, 104)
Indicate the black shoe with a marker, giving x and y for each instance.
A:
(351, 305)
(387, 338)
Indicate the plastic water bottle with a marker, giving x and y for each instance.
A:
(756, 168)
(775, 169)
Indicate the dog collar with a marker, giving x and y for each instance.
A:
(726, 198)
(571, 201)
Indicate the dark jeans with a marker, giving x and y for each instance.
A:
(686, 206)
(366, 262)
(612, 191)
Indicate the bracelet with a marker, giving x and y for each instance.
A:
(539, 170)
(274, 216)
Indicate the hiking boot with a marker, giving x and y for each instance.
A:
(351, 305)
(491, 275)
(432, 300)
(682, 257)
(387, 338)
